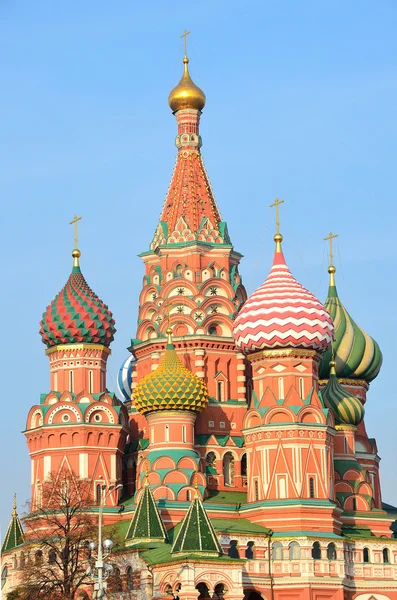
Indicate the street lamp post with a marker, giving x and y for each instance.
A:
(107, 544)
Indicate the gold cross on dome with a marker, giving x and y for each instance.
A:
(76, 219)
(276, 204)
(330, 237)
(184, 35)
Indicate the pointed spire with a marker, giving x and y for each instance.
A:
(146, 524)
(14, 536)
(196, 534)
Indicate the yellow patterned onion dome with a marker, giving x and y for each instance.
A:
(347, 409)
(171, 386)
(357, 354)
(186, 94)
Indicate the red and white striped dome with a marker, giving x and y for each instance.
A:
(281, 313)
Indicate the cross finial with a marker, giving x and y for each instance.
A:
(196, 493)
(184, 35)
(331, 236)
(14, 512)
(146, 483)
(76, 219)
(276, 204)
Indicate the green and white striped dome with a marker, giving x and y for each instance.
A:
(347, 409)
(357, 355)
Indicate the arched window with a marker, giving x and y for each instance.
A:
(354, 502)
(220, 391)
(210, 460)
(90, 382)
(213, 330)
(188, 497)
(38, 557)
(184, 434)
(249, 553)
(71, 381)
(386, 555)
(204, 593)
(311, 487)
(228, 469)
(167, 433)
(115, 583)
(366, 555)
(277, 551)
(294, 551)
(244, 465)
(22, 560)
(316, 551)
(219, 591)
(98, 492)
(331, 551)
(281, 388)
(178, 271)
(233, 549)
(129, 578)
(52, 555)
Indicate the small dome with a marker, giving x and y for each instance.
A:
(357, 355)
(170, 387)
(186, 94)
(347, 409)
(124, 379)
(281, 313)
(77, 315)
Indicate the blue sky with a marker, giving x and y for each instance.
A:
(301, 104)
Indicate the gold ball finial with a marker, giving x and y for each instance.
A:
(278, 238)
(331, 269)
(76, 255)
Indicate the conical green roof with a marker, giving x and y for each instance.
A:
(347, 409)
(196, 535)
(146, 524)
(14, 536)
(357, 355)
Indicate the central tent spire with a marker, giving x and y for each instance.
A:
(190, 212)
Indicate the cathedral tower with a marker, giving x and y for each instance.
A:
(79, 425)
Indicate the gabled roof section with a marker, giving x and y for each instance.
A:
(14, 536)
(146, 524)
(190, 212)
(196, 535)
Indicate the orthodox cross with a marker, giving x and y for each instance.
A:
(330, 237)
(76, 231)
(184, 35)
(276, 204)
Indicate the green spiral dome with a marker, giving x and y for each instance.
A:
(357, 355)
(347, 409)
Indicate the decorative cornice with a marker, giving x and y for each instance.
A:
(287, 352)
(345, 428)
(76, 347)
(353, 382)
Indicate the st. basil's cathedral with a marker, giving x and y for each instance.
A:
(238, 430)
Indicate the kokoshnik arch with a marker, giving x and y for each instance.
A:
(238, 433)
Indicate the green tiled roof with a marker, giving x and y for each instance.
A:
(239, 526)
(226, 497)
(196, 535)
(146, 524)
(14, 536)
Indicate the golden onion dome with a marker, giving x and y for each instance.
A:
(171, 386)
(186, 94)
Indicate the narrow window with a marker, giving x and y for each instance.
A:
(244, 465)
(346, 446)
(98, 492)
(294, 551)
(188, 495)
(220, 391)
(71, 381)
(184, 434)
(277, 551)
(386, 557)
(301, 388)
(311, 487)
(256, 490)
(282, 491)
(366, 555)
(90, 382)
(281, 388)
(167, 433)
(249, 553)
(233, 549)
(55, 382)
(354, 503)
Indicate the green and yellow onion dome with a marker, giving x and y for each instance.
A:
(357, 355)
(171, 386)
(347, 409)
